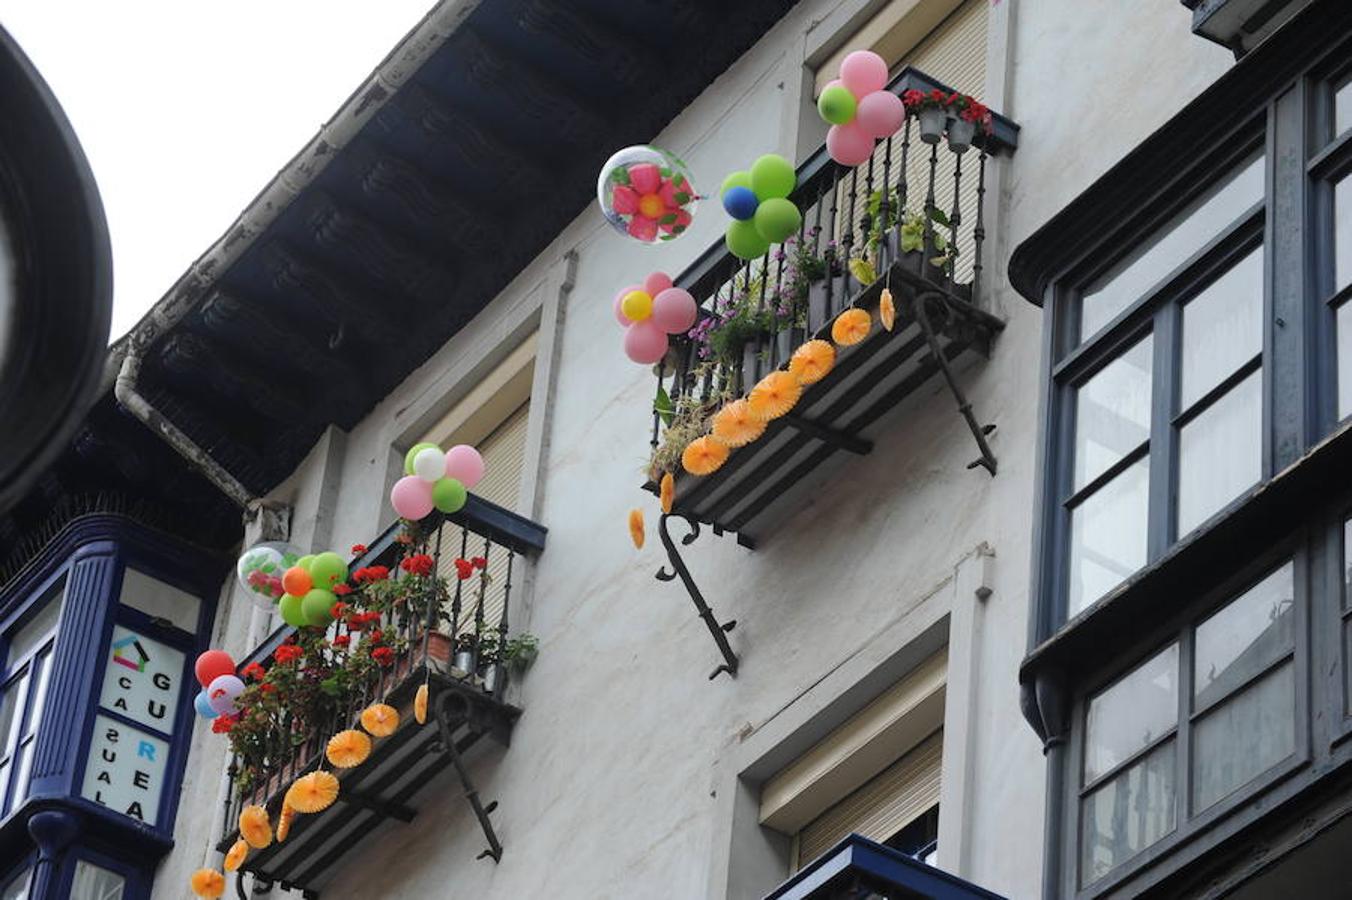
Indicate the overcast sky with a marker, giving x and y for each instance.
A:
(186, 108)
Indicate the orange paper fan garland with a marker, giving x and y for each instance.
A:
(254, 826)
(851, 327)
(736, 426)
(704, 455)
(812, 362)
(312, 793)
(637, 532)
(774, 395)
(348, 749)
(207, 883)
(887, 310)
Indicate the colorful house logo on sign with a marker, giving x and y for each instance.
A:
(134, 658)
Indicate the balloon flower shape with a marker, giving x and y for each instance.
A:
(259, 572)
(647, 194)
(436, 479)
(758, 201)
(308, 589)
(649, 312)
(859, 108)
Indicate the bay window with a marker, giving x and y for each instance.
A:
(25, 673)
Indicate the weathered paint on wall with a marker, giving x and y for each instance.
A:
(623, 774)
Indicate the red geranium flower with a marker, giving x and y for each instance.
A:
(464, 569)
(370, 574)
(342, 590)
(253, 671)
(287, 653)
(383, 656)
(377, 636)
(480, 562)
(418, 564)
(223, 724)
(267, 688)
(358, 549)
(338, 610)
(341, 640)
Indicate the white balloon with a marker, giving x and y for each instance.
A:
(259, 572)
(430, 464)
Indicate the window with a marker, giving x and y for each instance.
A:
(1146, 774)
(17, 887)
(93, 882)
(1166, 403)
(24, 678)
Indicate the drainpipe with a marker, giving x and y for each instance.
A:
(124, 389)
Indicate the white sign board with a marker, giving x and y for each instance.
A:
(141, 679)
(126, 769)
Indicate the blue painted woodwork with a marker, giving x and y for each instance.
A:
(858, 862)
(92, 554)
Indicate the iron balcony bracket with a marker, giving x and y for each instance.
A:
(717, 629)
(987, 459)
(447, 723)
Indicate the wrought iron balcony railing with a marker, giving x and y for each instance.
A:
(911, 220)
(439, 647)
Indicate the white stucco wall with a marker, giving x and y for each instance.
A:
(622, 774)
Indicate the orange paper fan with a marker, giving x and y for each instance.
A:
(887, 310)
(238, 851)
(207, 883)
(811, 362)
(704, 455)
(667, 492)
(851, 327)
(349, 748)
(312, 793)
(636, 529)
(254, 826)
(284, 821)
(380, 719)
(736, 426)
(420, 705)
(774, 395)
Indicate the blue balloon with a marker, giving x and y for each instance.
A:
(740, 202)
(203, 706)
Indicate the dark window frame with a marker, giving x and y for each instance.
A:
(36, 664)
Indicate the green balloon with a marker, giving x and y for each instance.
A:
(745, 242)
(772, 176)
(327, 570)
(414, 451)
(292, 613)
(736, 179)
(837, 105)
(315, 606)
(306, 561)
(448, 495)
(776, 219)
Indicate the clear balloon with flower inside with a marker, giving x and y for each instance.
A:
(647, 194)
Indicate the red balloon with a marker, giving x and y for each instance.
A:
(296, 580)
(213, 664)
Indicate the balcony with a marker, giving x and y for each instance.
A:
(445, 638)
(858, 867)
(910, 220)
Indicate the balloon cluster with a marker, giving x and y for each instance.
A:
(859, 108)
(260, 569)
(758, 201)
(646, 193)
(215, 672)
(307, 587)
(435, 479)
(651, 311)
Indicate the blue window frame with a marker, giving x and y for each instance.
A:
(27, 647)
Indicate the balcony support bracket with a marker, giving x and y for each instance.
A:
(447, 721)
(979, 432)
(832, 436)
(719, 630)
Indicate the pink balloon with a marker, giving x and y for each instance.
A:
(674, 310)
(881, 113)
(464, 463)
(849, 145)
(656, 283)
(619, 301)
(645, 343)
(863, 72)
(411, 497)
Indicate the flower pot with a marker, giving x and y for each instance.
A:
(495, 678)
(818, 306)
(465, 663)
(932, 122)
(750, 364)
(960, 134)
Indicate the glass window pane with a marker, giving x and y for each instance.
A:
(1244, 737)
(1134, 711)
(1128, 814)
(11, 702)
(23, 767)
(1107, 536)
(1342, 234)
(1244, 637)
(1343, 327)
(1173, 244)
(159, 600)
(42, 664)
(1220, 453)
(17, 888)
(96, 883)
(1222, 328)
(1342, 108)
(1112, 412)
(36, 629)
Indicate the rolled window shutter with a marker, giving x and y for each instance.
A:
(887, 803)
(504, 453)
(953, 54)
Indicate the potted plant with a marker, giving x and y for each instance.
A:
(969, 116)
(521, 651)
(490, 662)
(931, 111)
(466, 659)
